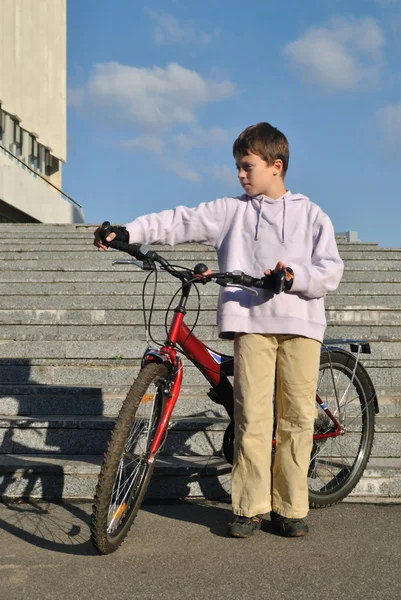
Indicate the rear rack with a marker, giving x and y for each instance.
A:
(360, 346)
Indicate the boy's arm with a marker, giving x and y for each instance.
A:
(326, 270)
(203, 224)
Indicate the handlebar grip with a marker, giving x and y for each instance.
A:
(131, 249)
(106, 228)
(247, 280)
(275, 281)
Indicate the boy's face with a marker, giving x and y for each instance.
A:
(256, 176)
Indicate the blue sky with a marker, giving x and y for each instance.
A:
(159, 90)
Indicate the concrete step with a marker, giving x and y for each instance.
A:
(373, 316)
(20, 234)
(207, 332)
(382, 348)
(95, 302)
(193, 401)
(118, 373)
(70, 400)
(188, 436)
(77, 271)
(89, 252)
(75, 478)
(135, 288)
(39, 333)
(19, 249)
(38, 303)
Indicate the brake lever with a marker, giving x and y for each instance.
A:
(243, 287)
(145, 265)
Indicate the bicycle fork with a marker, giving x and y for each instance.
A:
(168, 407)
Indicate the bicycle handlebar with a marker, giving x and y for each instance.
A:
(276, 281)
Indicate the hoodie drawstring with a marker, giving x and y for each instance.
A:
(283, 229)
(260, 213)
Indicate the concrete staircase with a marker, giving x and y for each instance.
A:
(71, 338)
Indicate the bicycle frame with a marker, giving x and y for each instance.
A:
(215, 367)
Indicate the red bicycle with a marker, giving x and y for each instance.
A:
(346, 403)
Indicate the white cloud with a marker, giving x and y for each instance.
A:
(75, 97)
(223, 173)
(182, 169)
(201, 137)
(170, 153)
(150, 98)
(156, 145)
(153, 143)
(342, 56)
(155, 104)
(388, 120)
(170, 30)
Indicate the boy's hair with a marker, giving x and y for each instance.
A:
(266, 141)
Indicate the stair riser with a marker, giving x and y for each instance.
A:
(95, 350)
(387, 380)
(57, 319)
(180, 443)
(73, 269)
(207, 332)
(211, 487)
(168, 289)
(196, 405)
(89, 252)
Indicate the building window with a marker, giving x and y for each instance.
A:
(51, 163)
(2, 125)
(16, 143)
(33, 153)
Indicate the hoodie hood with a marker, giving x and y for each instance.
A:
(261, 200)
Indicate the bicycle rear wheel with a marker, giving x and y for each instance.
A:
(337, 463)
(125, 473)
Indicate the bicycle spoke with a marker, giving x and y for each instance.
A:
(334, 459)
(132, 462)
(123, 491)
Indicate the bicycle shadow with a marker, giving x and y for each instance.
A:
(53, 526)
(29, 472)
(192, 478)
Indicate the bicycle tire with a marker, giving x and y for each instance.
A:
(343, 459)
(122, 466)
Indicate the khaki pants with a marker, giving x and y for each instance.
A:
(258, 358)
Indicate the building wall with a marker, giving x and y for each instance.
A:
(33, 68)
(33, 127)
(31, 195)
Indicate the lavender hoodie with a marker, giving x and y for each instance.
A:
(253, 233)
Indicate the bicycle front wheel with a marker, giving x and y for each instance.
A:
(125, 473)
(337, 463)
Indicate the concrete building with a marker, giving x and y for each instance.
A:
(33, 112)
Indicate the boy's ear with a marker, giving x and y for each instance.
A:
(278, 166)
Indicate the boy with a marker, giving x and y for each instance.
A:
(277, 338)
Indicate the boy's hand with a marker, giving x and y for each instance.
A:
(289, 274)
(119, 233)
(280, 266)
(99, 241)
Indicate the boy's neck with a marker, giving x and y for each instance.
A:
(276, 191)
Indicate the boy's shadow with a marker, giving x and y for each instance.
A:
(210, 514)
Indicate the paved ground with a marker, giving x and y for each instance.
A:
(179, 551)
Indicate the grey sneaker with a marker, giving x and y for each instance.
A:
(288, 527)
(244, 527)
